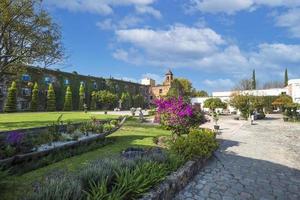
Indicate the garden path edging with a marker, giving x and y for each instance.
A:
(176, 181)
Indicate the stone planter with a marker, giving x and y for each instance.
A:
(216, 127)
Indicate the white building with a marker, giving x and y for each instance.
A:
(148, 81)
(293, 90)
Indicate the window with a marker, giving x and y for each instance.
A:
(26, 92)
(1, 90)
(67, 82)
(48, 80)
(95, 85)
(151, 97)
(160, 91)
(283, 93)
(26, 77)
(24, 105)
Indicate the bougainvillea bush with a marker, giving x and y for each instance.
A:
(177, 115)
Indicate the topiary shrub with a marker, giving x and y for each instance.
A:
(199, 143)
(68, 100)
(34, 98)
(51, 99)
(11, 101)
(81, 97)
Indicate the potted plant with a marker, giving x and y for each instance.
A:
(216, 119)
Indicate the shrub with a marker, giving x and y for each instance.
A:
(131, 184)
(58, 187)
(81, 97)
(51, 99)
(3, 178)
(11, 102)
(107, 127)
(114, 122)
(34, 98)
(68, 100)
(198, 143)
(175, 115)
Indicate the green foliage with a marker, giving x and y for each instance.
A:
(283, 101)
(107, 127)
(94, 101)
(214, 103)
(58, 187)
(286, 77)
(106, 99)
(253, 81)
(81, 97)
(131, 184)
(34, 98)
(51, 99)
(242, 103)
(68, 105)
(11, 101)
(3, 178)
(138, 101)
(198, 143)
(28, 35)
(126, 100)
(200, 93)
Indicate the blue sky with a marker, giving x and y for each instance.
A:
(214, 43)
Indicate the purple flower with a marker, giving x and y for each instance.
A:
(14, 138)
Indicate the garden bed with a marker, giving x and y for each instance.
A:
(55, 147)
(176, 181)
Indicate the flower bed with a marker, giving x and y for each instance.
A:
(55, 138)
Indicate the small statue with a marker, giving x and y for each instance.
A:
(141, 116)
(85, 108)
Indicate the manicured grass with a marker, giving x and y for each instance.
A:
(13, 121)
(131, 134)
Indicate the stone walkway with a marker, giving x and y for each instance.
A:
(259, 161)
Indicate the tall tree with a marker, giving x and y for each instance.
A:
(27, 35)
(253, 80)
(68, 100)
(81, 97)
(286, 77)
(200, 93)
(11, 100)
(244, 84)
(34, 98)
(51, 99)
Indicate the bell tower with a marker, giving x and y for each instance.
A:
(168, 78)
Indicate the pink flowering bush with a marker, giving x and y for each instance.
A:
(176, 115)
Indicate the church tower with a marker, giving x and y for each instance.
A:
(169, 78)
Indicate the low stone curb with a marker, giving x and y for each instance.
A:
(176, 181)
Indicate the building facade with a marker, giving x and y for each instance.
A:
(292, 89)
(26, 76)
(158, 91)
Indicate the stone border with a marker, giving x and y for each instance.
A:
(21, 158)
(176, 181)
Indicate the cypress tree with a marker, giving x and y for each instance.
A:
(11, 101)
(68, 100)
(94, 101)
(51, 99)
(34, 98)
(286, 77)
(253, 80)
(81, 97)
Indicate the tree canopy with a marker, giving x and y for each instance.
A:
(27, 35)
(214, 103)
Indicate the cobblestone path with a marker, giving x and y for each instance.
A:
(259, 161)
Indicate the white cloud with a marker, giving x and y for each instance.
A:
(148, 10)
(219, 84)
(177, 40)
(104, 7)
(203, 49)
(290, 20)
(233, 6)
(125, 23)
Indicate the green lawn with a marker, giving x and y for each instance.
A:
(131, 134)
(13, 121)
